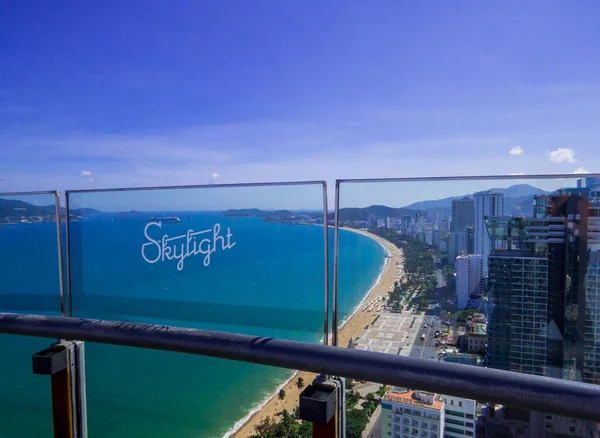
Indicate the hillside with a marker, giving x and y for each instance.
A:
(518, 191)
(13, 207)
(362, 214)
(255, 212)
(518, 201)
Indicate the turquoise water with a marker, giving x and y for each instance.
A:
(269, 283)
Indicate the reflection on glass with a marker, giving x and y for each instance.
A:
(497, 273)
(242, 259)
(29, 283)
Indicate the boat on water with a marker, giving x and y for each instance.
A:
(166, 219)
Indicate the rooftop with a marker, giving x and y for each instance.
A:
(487, 192)
(410, 397)
(479, 329)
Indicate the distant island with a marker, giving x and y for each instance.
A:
(518, 201)
(20, 212)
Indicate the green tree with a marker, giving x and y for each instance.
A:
(382, 390)
(264, 428)
(464, 314)
(300, 383)
(287, 427)
(356, 422)
(281, 396)
(352, 398)
(370, 397)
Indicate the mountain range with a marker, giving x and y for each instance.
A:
(518, 201)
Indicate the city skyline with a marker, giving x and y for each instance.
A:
(297, 197)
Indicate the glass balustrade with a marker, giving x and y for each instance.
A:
(498, 273)
(245, 259)
(29, 283)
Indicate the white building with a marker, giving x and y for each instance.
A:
(412, 414)
(487, 204)
(459, 418)
(429, 237)
(469, 278)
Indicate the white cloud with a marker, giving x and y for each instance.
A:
(517, 173)
(580, 170)
(516, 150)
(214, 178)
(562, 155)
(86, 173)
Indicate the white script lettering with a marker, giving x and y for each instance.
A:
(191, 243)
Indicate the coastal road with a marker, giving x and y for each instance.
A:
(425, 349)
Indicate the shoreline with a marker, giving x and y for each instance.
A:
(351, 327)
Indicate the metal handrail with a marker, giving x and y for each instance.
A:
(543, 394)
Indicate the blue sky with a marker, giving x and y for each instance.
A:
(146, 93)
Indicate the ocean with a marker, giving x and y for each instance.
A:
(244, 276)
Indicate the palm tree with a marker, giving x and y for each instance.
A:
(300, 383)
(281, 396)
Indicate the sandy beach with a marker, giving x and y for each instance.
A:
(351, 329)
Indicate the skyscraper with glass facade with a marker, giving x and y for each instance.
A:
(544, 297)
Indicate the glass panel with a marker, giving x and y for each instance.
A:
(498, 273)
(243, 259)
(29, 254)
(29, 283)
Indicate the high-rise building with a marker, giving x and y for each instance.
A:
(544, 289)
(429, 237)
(419, 223)
(526, 297)
(459, 417)
(406, 222)
(571, 206)
(591, 360)
(470, 240)
(469, 278)
(544, 298)
(457, 243)
(372, 221)
(445, 225)
(388, 223)
(463, 214)
(488, 204)
(408, 414)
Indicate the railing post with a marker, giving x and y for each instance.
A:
(64, 363)
(322, 403)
